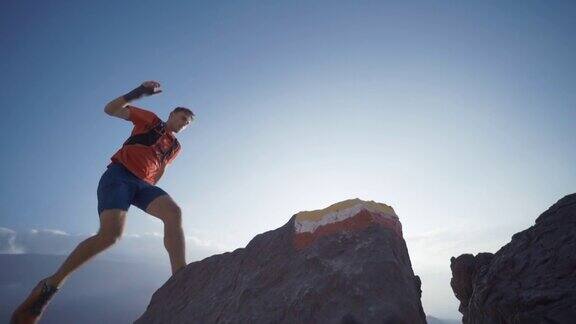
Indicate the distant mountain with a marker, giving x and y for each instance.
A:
(102, 291)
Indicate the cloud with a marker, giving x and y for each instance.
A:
(47, 241)
(48, 231)
(8, 242)
(148, 246)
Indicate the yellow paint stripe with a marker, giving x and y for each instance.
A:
(316, 215)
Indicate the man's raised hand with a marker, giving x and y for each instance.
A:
(147, 88)
(152, 87)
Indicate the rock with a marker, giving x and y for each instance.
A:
(347, 263)
(532, 279)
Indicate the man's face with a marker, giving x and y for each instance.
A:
(179, 120)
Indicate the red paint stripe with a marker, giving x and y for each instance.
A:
(357, 222)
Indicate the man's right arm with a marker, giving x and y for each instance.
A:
(118, 107)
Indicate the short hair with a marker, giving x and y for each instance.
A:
(184, 109)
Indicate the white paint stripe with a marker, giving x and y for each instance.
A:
(304, 226)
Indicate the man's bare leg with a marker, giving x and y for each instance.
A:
(169, 212)
(111, 227)
(174, 243)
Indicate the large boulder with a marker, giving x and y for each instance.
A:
(347, 263)
(532, 279)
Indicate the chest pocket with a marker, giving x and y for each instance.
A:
(165, 148)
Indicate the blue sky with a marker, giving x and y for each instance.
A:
(460, 115)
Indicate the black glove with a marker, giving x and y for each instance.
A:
(141, 91)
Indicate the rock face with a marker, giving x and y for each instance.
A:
(532, 279)
(347, 263)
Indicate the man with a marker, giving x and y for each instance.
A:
(130, 179)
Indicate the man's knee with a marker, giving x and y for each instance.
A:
(166, 209)
(111, 226)
(173, 215)
(109, 238)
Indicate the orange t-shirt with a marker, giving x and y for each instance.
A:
(149, 149)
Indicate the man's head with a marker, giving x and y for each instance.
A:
(179, 118)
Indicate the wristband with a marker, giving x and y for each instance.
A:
(138, 93)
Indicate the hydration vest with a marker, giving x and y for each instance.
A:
(151, 137)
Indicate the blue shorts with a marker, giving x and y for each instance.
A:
(119, 188)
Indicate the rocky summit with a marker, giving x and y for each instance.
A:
(530, 280)
(347, 263)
